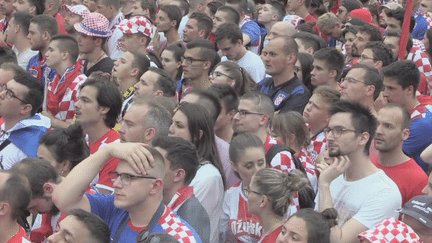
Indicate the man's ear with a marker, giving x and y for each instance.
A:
(333, 74)
(32, 11)
(27, 109)
(150, 134)
(310, 51)
(135, 72)
(46, 36)
(103, 110)
(364, 138)
(5, 209)
(48, 188)
(179, 175)
(370, 90)
(378, 65)
(201, 33)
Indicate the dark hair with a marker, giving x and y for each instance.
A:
(287, 123)
(333, 58)
(178, 50)
(350, 5)
(350, 29)
(232, 14)
(38, 172)
(303, 27)
(306, 61)
(98, 229)
(361, 118)
(404, 72)
(140, 61)
(226, 95)
(309, 40)
(209, 101)
(406, 116)
(16, 191)
(164, 82)
(108, 96)
(318, 224)
(372, 31)
(392, 32)
(151, 6)
(280, 187)
(213, 6)
(39, 4)
(181, 153)
(207, 51)
(399, 15)
(229, 31)
(241, 5)
(34, 96)
(278, 8)
(204, 22)
(46, 23)
(22, 19)
(381, 52)
(67, 144)
(243, 81)
(157, 116)
(429, 36)
(67, 43)
(371, 77)
(173, 12)
(7, 55)
(263, 103)
(200, 123)
(242, 141)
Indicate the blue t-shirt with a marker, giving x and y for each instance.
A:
(38, 68)
(420, 27)
(103, 206)
(420, 133)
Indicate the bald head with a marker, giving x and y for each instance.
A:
(281, 28)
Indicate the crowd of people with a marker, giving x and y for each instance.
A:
(215, 121)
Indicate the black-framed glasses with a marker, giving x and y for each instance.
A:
(10, 94)
(338, 130)
(248, 191)
(216, 74)
(364, 57)
(190, 60)
(244, 113)
(351, 80)
(126, 178)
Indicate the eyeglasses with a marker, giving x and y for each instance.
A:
(216, 74)
(190, 60)
(244, 113)
(351, 80)
(338, 130)
(10, 94)
(248, 191)
(126, 178)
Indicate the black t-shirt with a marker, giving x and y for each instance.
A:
(105, 65)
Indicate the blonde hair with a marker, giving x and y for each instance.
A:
(328, 19)
(280, 187)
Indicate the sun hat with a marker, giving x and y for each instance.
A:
(94, 24)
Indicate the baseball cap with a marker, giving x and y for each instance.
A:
(420, 208)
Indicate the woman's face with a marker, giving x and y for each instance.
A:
(298, 70)
(250, 162)
(220, 76)
(180, 126)
(426, 42)
(349, 37)
(169, 63)
(294, 230)
(45, 153)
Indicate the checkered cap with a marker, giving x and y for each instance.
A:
(390, 230)
(80, 10)
(137, 24)
(94, 24)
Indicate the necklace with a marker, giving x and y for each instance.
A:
(91, 64)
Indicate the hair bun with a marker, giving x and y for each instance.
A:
(330, 215)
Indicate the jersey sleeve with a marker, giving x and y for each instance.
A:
(252, 30)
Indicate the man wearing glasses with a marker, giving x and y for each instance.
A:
(199, 58)
(136, 207)
(21, 129)
(362, 194)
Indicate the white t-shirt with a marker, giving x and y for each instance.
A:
(369, 200)
(253, 64)
(182, 25)
(209, 190)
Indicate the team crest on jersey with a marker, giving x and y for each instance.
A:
(33, 72)
(278, 100)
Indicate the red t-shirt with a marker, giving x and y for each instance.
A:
(104, 181)
(20, 237)
(271, 238)
(408, 176)
(61, 24)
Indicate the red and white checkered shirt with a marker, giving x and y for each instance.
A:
(390, 230)
(318, 145)
(67, 104)
(421, 59)
(309, 167)
(419, 45)
(282, 161)
(172, 224)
